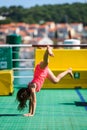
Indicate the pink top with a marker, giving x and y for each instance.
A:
(39, 76)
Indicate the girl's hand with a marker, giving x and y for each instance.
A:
(28, 114)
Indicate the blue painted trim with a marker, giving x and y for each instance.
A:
(81, 97)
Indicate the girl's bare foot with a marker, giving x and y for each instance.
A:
(70, 72)
(28, 114)
(49, 49)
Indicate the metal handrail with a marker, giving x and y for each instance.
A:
(23, 68)
(23, 59)
(30, 45)
(20, 60)
(23, 76)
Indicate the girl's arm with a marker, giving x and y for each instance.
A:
(32, 103)
(30, 106)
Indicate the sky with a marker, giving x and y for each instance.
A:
(31, 3)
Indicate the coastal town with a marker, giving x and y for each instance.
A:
(49, 32)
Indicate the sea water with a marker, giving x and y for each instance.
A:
(23, 81)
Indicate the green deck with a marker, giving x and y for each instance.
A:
(56, 110)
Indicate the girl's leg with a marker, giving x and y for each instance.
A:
(56, 79)
(45, 61)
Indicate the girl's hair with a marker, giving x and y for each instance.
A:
(22, 96)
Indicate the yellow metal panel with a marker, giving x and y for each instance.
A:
(6, 82)
(63, 59)
(68, 82)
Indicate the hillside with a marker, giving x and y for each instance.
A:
(76, 12)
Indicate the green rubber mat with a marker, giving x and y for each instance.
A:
(56, 110)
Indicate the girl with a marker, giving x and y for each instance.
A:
(41, 73)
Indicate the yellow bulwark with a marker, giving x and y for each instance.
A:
(6, 82)
(62, 60)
